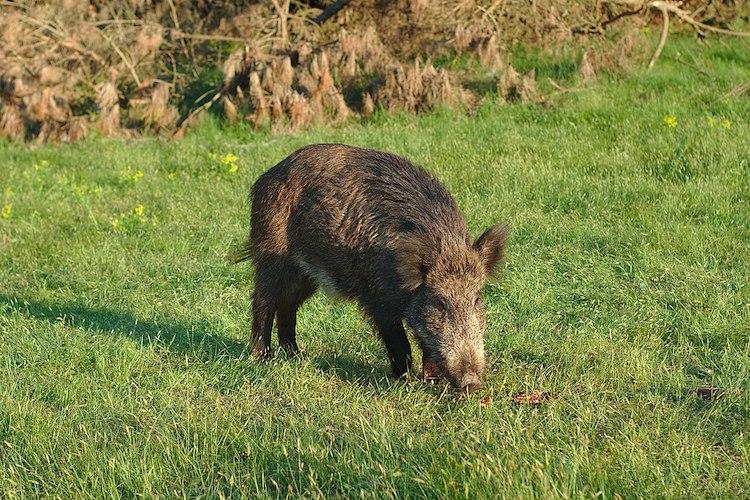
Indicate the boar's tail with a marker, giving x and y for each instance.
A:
(241, 253)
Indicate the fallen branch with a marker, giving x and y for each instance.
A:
(282, 11)
(187, 121)
(696, 68)
(128, 63)
(598, 29)
(662, 37)
(563, 90)
(738, 90)
(330, 11)
(665, 7)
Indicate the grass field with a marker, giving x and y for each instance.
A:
(123, 361)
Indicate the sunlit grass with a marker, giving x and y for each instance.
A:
(123, 363)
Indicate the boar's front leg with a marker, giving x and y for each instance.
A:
(392, 332)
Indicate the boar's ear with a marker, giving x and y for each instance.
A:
(491, 246)
(412, 256)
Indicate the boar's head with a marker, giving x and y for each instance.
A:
(446, 311)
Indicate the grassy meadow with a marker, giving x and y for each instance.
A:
(124, 370)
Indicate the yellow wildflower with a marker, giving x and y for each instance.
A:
(711, 121)
(139, 211)
(6, 211)
(230, 162)
(726, 123)
(115, 224)
(136, 176)
(171, 176)
(670, 121)
(229, 158)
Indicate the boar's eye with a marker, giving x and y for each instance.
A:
(441, 305)
(478, 302)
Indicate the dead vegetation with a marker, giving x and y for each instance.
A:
(128, 66)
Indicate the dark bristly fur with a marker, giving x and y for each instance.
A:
(370, 226)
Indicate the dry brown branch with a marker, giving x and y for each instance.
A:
(693, 66)
(282, 11)
(662, 37)
(666, 8)
(58, 59)
(738, 90)
(330, 11)
(562, 90)
(674, 8)
(193, 115)
(125, 60)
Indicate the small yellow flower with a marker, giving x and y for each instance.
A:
(230, 162)
(171, 176)
(726, 123)
(6, 211)
(229, 158)
(136, 176)
(139, 211)
(670, 121)
(711, 121)
(115, 224)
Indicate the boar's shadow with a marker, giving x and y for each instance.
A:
(353, 370)
(195, 339)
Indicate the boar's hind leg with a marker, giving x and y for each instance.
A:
(265, 301)
(296, 289)
(392, 332)
(263, 308)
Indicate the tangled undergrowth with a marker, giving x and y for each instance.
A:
(124, 67)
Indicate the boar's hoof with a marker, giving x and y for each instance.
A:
(290, 348)
(470, 382)
(261, 352)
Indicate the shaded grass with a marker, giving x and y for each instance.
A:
(123, 368)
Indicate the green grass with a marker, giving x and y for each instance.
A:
(123, 364)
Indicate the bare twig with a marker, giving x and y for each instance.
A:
(282, 10)
(693, 66)
(199, 36)
(662, 38)
(562, 90)
(200, 109)
(598, 29)
(738, 90)
(124, 58)
(666, 8)
(674, 8)
(330, 11)
(41, 24)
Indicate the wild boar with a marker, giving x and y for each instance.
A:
(371, 226)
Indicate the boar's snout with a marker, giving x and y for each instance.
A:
(470, 382)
